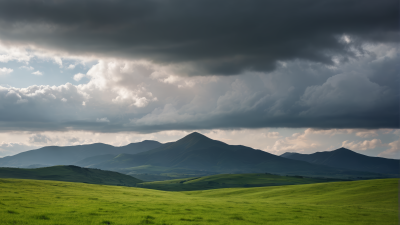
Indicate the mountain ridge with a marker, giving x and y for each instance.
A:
(347, 159)
(198, 152)
(72, 174)
(68, 155)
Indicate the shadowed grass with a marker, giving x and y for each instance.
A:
(229, 181)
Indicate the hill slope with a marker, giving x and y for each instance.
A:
(51, 202)
(197, 152)
(71, 174)
(54, 155)
(229, 181)
(347, 159)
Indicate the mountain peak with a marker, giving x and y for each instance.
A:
(343, 150)
(195, 136)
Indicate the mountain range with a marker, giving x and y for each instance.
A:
(69, 155)
(198, 152)
(197, 155)
(350, 160)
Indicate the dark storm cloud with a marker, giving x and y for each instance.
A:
(361, 93)
(215, 37)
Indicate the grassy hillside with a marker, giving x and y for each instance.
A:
(52, 202)
(229, 181)
(72, 174)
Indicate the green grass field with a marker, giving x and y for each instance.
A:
(229, 181)
(54, 202)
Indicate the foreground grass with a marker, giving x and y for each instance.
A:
(53, 202)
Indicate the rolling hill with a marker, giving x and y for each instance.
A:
(346, 159)
(38, 202)
(229, 181)
(198, 152)
(69, 155)
(71, 174)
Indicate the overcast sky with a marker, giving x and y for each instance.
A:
(300, 76)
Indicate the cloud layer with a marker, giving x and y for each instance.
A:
(203, 37)
(146, 97)
(164, 65)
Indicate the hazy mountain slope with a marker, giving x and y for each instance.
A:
(198, 152)
(90, 161)
(54, 155)
(72, 174)
(347, 159)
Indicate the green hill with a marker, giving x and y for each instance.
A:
(52, 202)
(229, 181)
(71, 174)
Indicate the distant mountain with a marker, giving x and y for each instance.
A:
(346, 159)
(54, 155)
(90, 161)
(198, 152)
(72, 174)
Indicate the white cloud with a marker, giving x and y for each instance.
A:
(102, 120)
(19, 54)
(298, 142)
(274, 135)
(38, 73)
(71, 66)
(367, 133)
(330, 132)
(27, 67)
(39, 139)
(79, 76)
(393, 152)
(4, 71)
(363, 145)
(58, 61)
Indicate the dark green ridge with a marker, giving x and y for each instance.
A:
(230, 181)
(71, 174)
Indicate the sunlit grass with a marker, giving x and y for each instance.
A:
(53, 202)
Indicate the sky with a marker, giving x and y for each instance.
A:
(280, 76)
